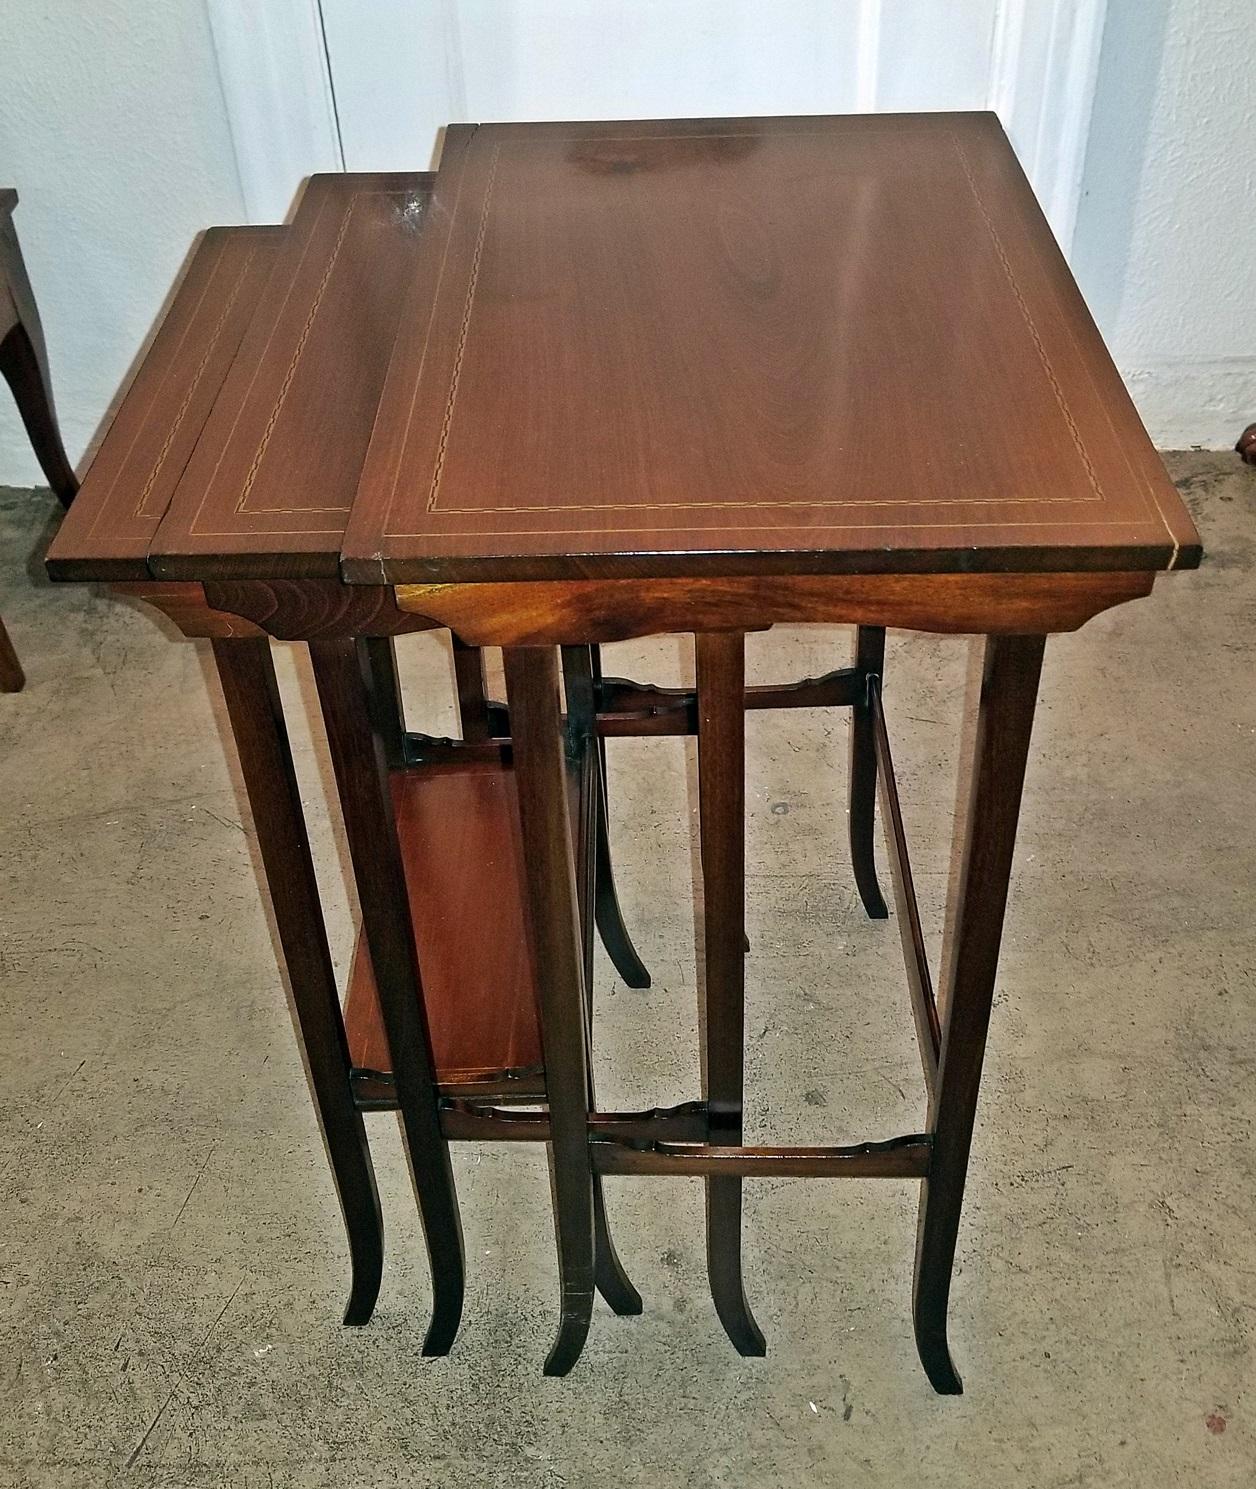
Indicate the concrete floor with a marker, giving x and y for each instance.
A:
(172, 1268)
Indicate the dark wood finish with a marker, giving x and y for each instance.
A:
(532, 692)
(472, 699)
(458, 829)
(24, 359)
(1246, 446)
(584, 762)
(309, 609)
(584, 686)
(185, 604)
(1009, 692)
(573, 611)
(12, 678)
(133, 475)
(736, 291)
(433, 409)
(899, 1158)
(478, 1122)
(721, 677)
(268, 489)
(342, 674)
(862, 786)
(388, 707)
(915, 957)
(632, 708)
(256, 713)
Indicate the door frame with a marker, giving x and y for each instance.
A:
(281, 104)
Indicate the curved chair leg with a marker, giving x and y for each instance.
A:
(1008, 693)
(553, 913)
(343, 676)
(26, 371)
(869, 657)
(612, 1281)
(247, 672)
(607, 914)
(12, 678)
(722, 808)
(578, 674)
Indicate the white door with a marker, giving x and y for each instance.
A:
(367, 84)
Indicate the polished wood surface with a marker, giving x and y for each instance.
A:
(142, 457)
(356, 742)
(680, 347)
(255, 709)
(568, 611)
(554, 936)
(598, 382)
(721, 678)
(459, 831)
(269, 487)
(1005, 716)
(245, 426)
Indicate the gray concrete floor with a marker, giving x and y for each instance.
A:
(172, 1268)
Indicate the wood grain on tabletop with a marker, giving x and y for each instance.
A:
(131, 479)
(725, 346)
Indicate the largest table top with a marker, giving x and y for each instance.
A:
(807, 345)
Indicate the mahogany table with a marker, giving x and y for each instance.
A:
(601, 381)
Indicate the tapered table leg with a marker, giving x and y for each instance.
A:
(342, 672)
(722, 808)
(256, 713)
(536, 734)
(1009, 691)
(388, 711)
(862, 802)
(609, 916)
(612, 1281)
(472, 697)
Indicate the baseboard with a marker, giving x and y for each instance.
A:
(1194, 403)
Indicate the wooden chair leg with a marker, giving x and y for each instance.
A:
(577, 663)
(607, 913)
(722, 804)
(388, 713)
(862, 802)
(12, 678)
(532, 693)
(342, 672)
(247, 673)
(472, 696)
(1008, 693)
(611, 927)
(25, 369)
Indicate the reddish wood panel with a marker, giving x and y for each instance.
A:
(550, 611)
(693, 347)
(268, 491)
(132, 478)
(459, 829)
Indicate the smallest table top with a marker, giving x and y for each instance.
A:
(680, 348)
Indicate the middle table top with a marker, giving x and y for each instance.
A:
(809, 345)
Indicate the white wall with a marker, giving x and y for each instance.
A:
(1165, 247)
(113, 130)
